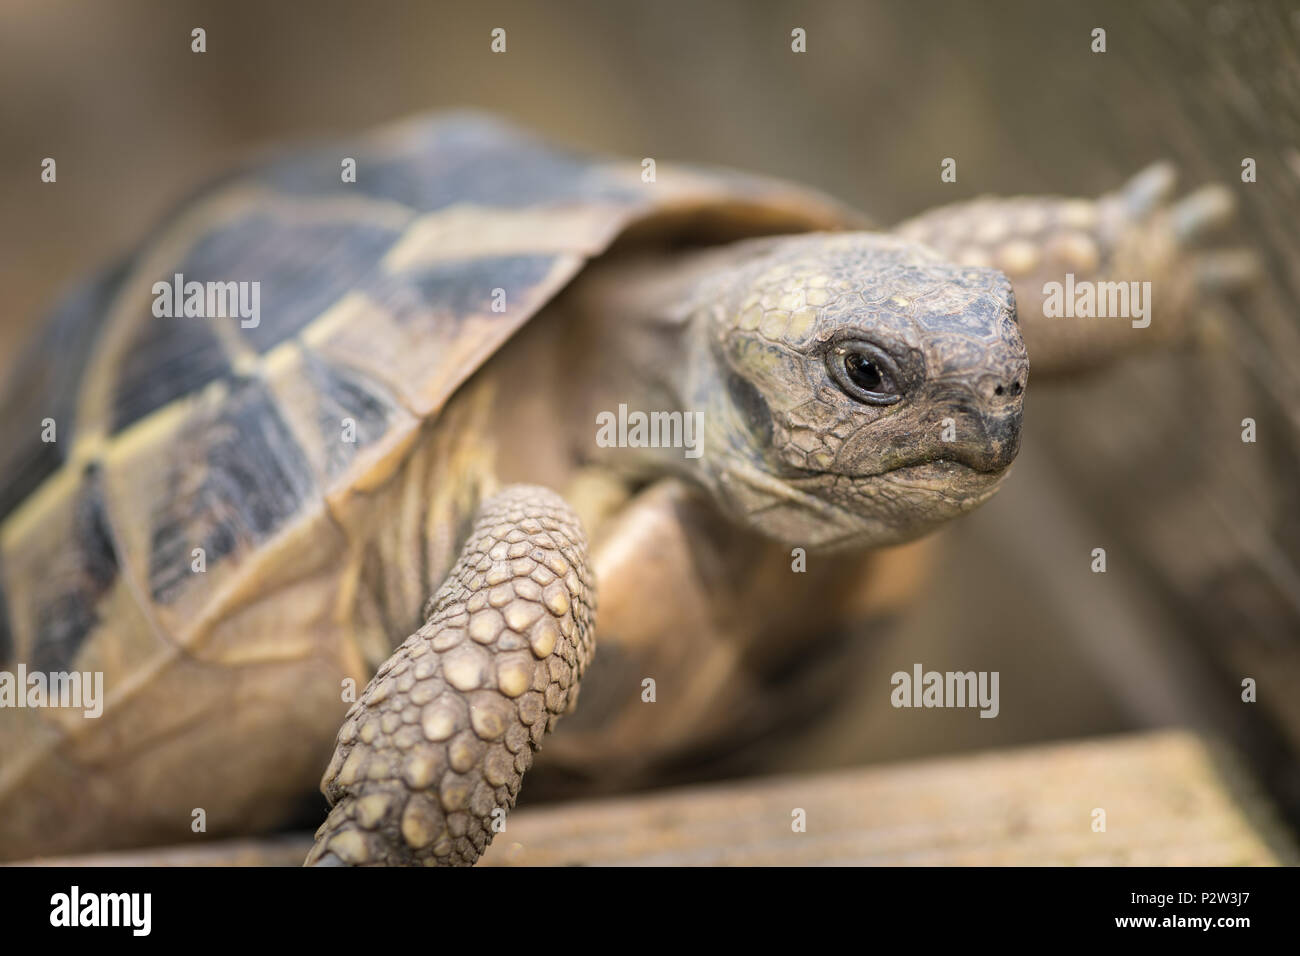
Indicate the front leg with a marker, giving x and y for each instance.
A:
(432, 755)
(1131, 235)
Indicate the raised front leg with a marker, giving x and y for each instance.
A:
(431, 757)
(1133, 235)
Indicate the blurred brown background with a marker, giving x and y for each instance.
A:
(1202, 531)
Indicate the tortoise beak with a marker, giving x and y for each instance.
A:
(1001, 442)
(989, 428)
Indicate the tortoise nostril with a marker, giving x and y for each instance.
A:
(998, 390)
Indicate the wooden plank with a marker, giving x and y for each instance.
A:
(1167, 798)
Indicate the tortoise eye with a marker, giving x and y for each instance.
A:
(863, 374)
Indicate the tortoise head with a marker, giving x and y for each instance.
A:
(860, 390)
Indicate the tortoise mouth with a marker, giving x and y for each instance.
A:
(952, 487)
(938, 471)
(831, 510)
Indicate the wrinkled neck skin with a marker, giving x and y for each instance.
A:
(641, 325)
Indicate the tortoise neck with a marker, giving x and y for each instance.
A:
(638, 322)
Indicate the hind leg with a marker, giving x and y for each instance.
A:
(431, 757)
(1132, 235)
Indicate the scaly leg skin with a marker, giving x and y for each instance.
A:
(431, 757)
(1132, 235)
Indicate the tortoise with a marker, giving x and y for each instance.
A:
(483, 375)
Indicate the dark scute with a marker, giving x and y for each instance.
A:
(302, 268)
(45, 383)
(751, 404)
(34, 461)
(64, 622)
(253, 479)
(61, 628)
(93, 534)
(347, 393)
(461, 287)
(167, 358)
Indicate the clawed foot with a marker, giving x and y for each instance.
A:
(1142, 208)
(1136, 234)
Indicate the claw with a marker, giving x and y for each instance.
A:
(1208, 209)
(1227, 271)
(327, 859)
(1148, 189)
